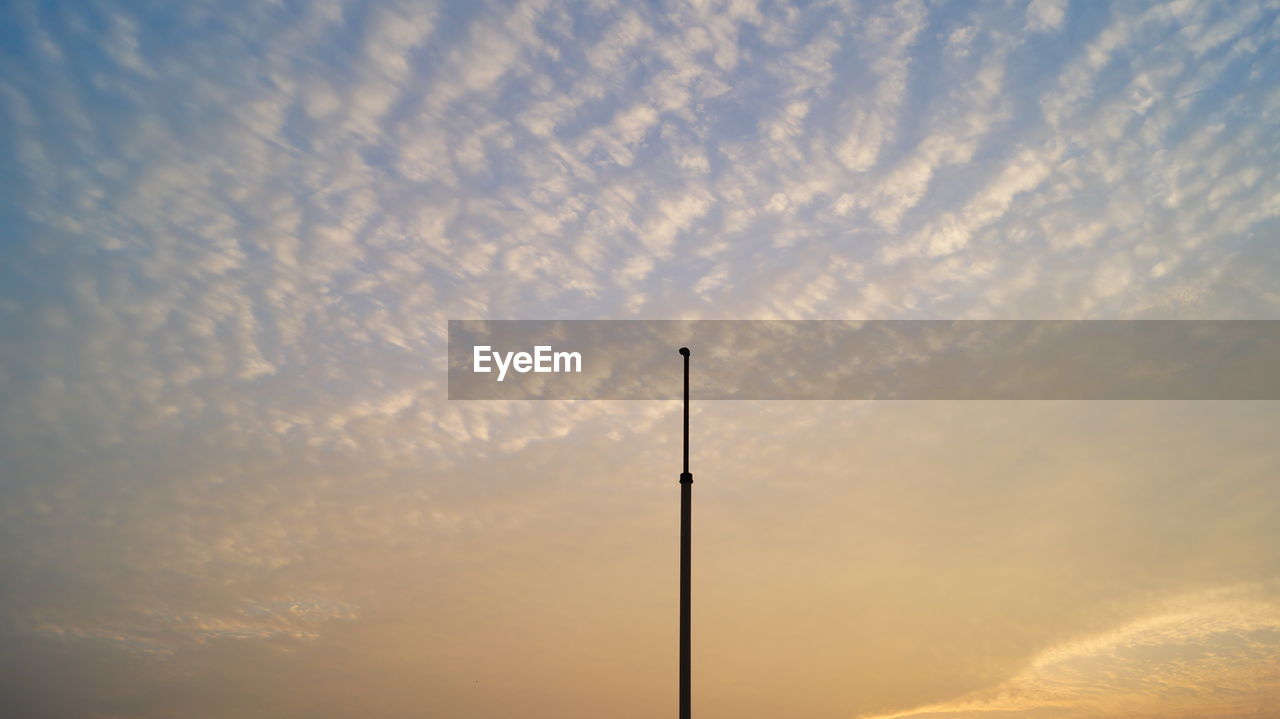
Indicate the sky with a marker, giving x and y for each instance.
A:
(232, 235)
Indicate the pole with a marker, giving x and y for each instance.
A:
(686, 499)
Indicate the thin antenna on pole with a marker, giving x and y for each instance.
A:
(686, 499)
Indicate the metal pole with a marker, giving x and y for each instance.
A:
(686, 500)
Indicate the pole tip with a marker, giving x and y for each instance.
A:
(684, 351)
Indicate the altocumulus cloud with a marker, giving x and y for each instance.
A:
(234, 232)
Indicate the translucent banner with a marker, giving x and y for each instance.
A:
(880, 359)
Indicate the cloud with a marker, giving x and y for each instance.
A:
(235, 234)
(1212, 652)
(1045, 14)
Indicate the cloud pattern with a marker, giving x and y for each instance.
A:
(234, 234)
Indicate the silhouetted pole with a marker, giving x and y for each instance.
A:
(686, 499)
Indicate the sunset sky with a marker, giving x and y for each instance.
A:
(232, 235)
